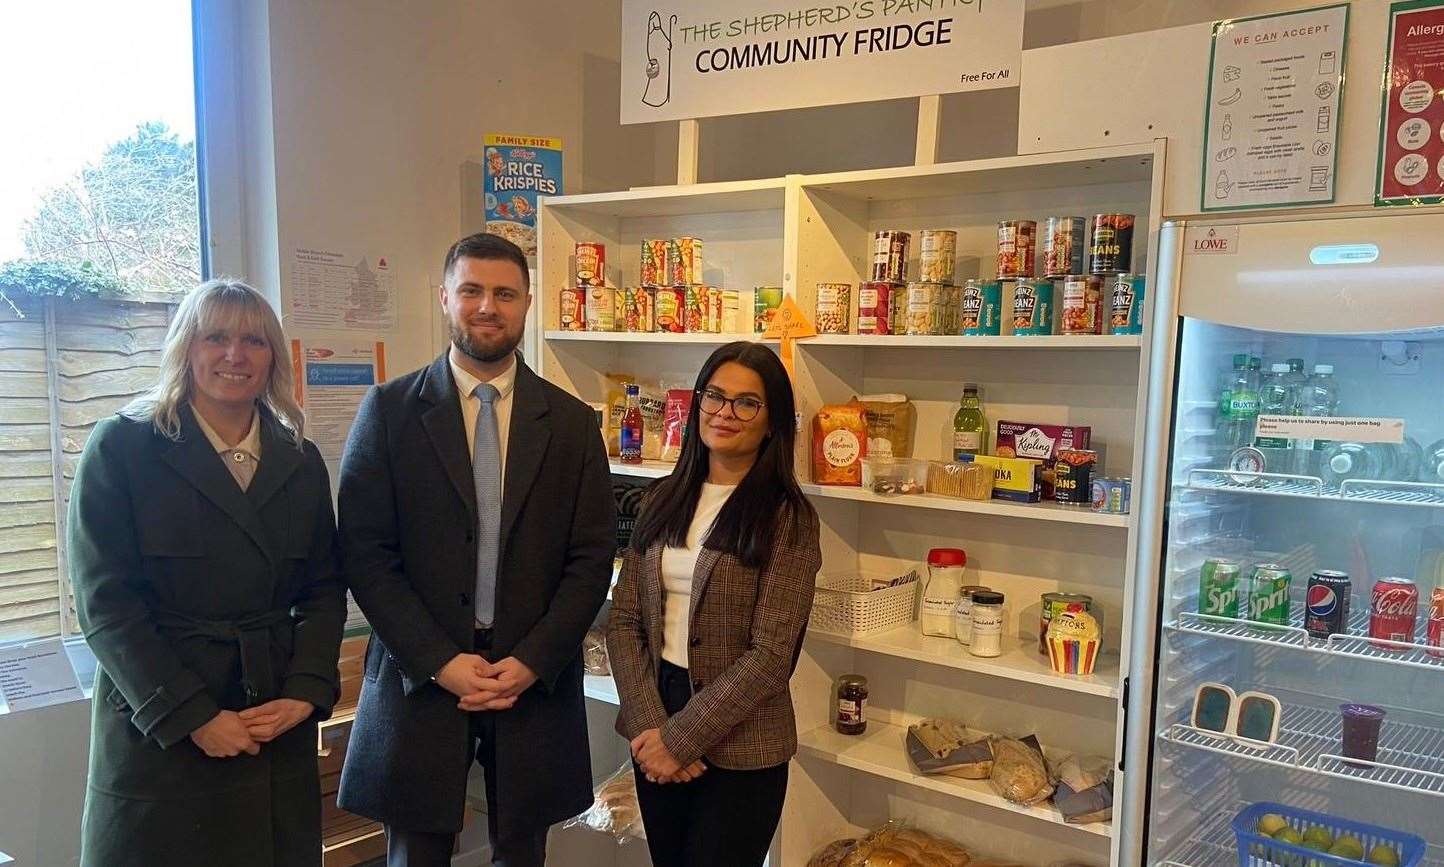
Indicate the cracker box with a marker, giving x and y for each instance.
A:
(1018, 439)
(1016, 479)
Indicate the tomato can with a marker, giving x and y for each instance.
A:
(1082, 305)
(875, 306)
(1393, 612)
(601, 308)
(654, 262)
(1125, 305)
(890, 256)
(671, 309)
(937, 255)
(1016, 240)
(1063, 246)
(1033, 307)
(591, 263)
(572, 310)
(834, 308)
(1111, 249)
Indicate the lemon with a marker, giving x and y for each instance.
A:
(1292, 837)
(1270, 824)
(1348, 847)
(1384, 855)
(1317, 837)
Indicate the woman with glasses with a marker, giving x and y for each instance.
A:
(708, 618)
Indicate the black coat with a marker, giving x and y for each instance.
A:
(175, 570)
(408, 524)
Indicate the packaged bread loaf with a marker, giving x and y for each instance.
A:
(1020, 772)
(839, 444)
(614, 808)
(941, 746)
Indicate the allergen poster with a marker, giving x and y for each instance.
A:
(1275, 86)
(519, 168)
(1411, 128)
(332, 377)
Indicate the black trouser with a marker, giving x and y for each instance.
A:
(419, 849)
(722, 819)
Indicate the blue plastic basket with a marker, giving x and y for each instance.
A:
(1256, 850)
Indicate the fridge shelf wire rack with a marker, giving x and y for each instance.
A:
(1410, 756)
(1356, 645)
(1212, 844)
(1426, 494)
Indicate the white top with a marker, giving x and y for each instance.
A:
(242, 459)
(678, 565)
(504, 383)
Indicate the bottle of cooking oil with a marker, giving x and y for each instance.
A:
(970, 426)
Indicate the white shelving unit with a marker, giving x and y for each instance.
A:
(798, 231)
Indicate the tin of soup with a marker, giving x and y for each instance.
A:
(601, 308)
(591, 263)
(671, 309)
(573, 310)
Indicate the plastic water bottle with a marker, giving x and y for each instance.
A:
(1343, 461)
(1237, 409)
(1433, 471)
(1276, 397)
(1408, 460)
(1318, 398)
(1296, 379)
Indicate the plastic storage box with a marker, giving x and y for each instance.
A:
(1257, 850)
(847, 604)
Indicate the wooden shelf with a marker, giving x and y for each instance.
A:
(881, 753)
(1020, 661)
(1000, 508)
(1040, 342)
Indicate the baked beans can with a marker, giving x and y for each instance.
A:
(697, 305)
(671, 309)
(1111, 249)
(654, 262)
(834, 308)
(1112, 495)
(1435, 631)
(601, 308)
(731, 310)
(874, 306)
(1393, 612)
(1125, 304)
(937, 255)
(1055, 604)
(1326, 603)
(684, 262)
(1016, 240)
(765, 304)
(1082, 307)
(1033, 307)
(1073, 476)
(1063, 246)
(714, 307)
(982, 302)
(890, 256)
(572, 314)
(591, 263)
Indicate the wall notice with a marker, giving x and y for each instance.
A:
(331, 379)
(36, 675)
(703, 58)
(342, 291)
(519, 169)
(1411, 130)
(1275, 85)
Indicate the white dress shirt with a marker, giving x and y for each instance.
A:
(243, 458)
(678, 566)
(504, 383)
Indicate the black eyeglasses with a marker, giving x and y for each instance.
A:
(744, 408)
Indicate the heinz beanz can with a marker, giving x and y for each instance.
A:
(1033, 307)
(1125, 304)
(982, 303)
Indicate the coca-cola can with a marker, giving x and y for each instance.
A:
(1436, 623)
(1392, 613)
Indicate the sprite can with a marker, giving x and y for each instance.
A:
(1218, 587)
(1268, 596)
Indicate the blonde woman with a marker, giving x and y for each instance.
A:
(203, 555)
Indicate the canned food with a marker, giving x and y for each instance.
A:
(834, 308)
(1082, 304)
(1434, 629)
(925, 308)
(671, 309)
(654, 262)
(1033, 307)
(1111, 250)
(875, 307)
(1268, 594)
(1327, 602)
(764, 306)
(714, 309)
(1393, 611)
(638, 309)
(1112, 495)
(1055, 604)
(1125, 306)
(573, 310)
(684, 262)
(1016, 239)
(591, 263)
(982, 304)
(601, 308)
(731, 310)
(697, 305)
(890, 256)
(937, 255)
(1218, 587)
(1062, 246)
(1073, 476)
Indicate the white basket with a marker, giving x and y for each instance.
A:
(845, 603)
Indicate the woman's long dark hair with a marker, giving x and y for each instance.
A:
(767, 504)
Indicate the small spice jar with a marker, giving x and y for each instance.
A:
(987, 624)
(851, 704)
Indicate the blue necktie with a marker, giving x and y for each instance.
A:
(486, 473)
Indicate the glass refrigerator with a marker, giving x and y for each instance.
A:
(1288, 707)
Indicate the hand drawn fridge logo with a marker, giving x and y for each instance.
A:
(658, 90)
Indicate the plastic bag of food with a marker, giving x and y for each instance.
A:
(839, 444)
(674, 423)
(594, 652)
(614, 808)
(1085, 789)
(891, 419)
(942, 746)
(833, 854)
(892, 845)
(1020, 773)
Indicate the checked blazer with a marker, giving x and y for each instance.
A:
(744, 635)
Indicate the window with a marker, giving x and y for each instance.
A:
(100, 231)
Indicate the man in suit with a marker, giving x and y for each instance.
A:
(478, 530)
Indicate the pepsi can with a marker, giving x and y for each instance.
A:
(1326, 606)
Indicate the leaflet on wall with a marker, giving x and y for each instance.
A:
(36, 675)
(1271, 128)
(703, 58)
(342, 291)
(1411, 127)
(331, 379)
(519, 168)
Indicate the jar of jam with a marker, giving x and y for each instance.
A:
(851, 716)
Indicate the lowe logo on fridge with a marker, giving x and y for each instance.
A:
(1212, 241)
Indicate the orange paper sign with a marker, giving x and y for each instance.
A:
(788, 324)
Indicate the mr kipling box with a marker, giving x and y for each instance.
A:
(1019, 439)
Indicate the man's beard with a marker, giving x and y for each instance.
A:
(461, 339)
